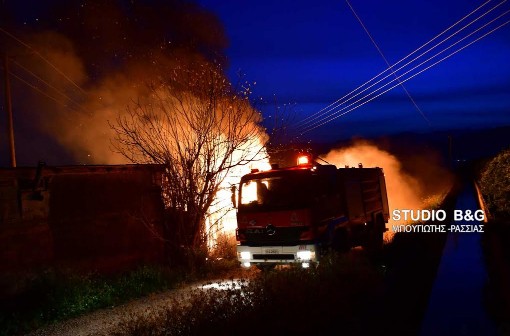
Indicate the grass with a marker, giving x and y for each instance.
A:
(338, 294)
(347, 294)
(344, 293)
(55, 296)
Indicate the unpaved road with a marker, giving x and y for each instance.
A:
(107, 321)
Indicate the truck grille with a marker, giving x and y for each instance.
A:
(288, 256)
(282, 236)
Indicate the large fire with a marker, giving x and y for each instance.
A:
(405, 191)
(222, 215)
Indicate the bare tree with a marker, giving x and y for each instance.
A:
(199, 127)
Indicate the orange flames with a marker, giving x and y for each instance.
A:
(222, 215)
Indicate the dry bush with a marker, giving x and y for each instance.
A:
(495, 185)
(342, 291)
(224, 247)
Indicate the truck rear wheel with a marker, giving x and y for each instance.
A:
(341, 242)
(374, 241)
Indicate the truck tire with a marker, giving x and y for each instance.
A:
(374, 241)
(341, 241)
(266, 267)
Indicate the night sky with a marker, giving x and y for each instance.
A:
(314, 55)
(299, 55)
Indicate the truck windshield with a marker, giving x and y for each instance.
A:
(276, 192)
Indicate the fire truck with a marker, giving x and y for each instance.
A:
(295, 215)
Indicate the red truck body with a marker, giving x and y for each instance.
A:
(294, 215)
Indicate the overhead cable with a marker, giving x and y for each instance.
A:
(405, 80)
(26, 45)
(387, 63)
(343, 99)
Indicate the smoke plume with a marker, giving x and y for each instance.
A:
(405, 190)
(90, 60)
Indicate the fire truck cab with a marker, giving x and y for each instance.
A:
(293, 215)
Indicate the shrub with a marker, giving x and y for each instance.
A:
(495, 184)
(224, 247)
(339, 294)
(56, 295)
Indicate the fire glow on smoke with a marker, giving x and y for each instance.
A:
(404, 191)
(425, 189)
(416, 191)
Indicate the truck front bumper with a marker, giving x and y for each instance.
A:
(270, 255)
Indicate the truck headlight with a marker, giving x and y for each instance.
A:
(245, 255)
(304, 255)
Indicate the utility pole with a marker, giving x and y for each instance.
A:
(8, 107)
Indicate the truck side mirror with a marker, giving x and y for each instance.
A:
(233, 190)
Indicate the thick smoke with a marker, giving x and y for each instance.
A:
(406, 190)
(107, 53)
(77, 120)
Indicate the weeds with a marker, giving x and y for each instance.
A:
(293, 300)
(495, 185)
(55, 296)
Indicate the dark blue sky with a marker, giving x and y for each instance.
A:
(312, 55)
(299, 53)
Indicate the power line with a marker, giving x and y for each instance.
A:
(337, 103)
(41, 91)
(311, 123)
(415, 67)
(387, 63)
(49, 85)
(43, 58)
(405, 80)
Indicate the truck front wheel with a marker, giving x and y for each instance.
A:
(266, 267)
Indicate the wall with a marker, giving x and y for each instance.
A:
(87, 218)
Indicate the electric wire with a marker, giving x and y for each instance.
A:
(43, 58)
(41, 91)
(78, 105)
(414, 75)
(430, 58)
(387, 63)
(377, 82)
(412, 53)
(311, 123)
(337, 112)
(339, 102)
